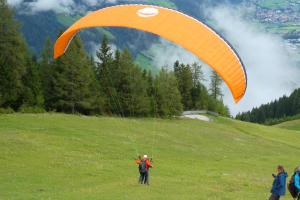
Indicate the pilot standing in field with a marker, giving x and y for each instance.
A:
(297, 181)
(279, 184)
(144, 166)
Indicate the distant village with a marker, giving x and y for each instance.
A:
(288, 15)
(283, 17)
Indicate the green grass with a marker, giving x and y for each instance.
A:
(273, 4)
(68, 20)
(282, 29)
(163, 3)
(56, 156)
(145, 58)
(105, 32)
(279, 4)
(145, 62)
(292, 125)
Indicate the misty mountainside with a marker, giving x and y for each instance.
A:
(37, 25)
(39, 22)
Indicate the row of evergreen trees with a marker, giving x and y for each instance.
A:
(275, 111)
(194, 94)
(111, 85)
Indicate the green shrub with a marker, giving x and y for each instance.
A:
(29, 109)
(281, 120)
(6, 110)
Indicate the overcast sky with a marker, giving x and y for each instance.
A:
(271, 67)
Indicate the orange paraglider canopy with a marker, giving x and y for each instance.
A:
(177, 27)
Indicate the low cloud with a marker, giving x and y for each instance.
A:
(61, 6)
(14, 2)
(166, 53)
(32, 7)
(271, 68)
(94, 47)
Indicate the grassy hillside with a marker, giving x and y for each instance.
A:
(273, 4)
(278, 4)
(292, 125)
(282, 29)
(55, 156)
(164, 3)
(146, 58)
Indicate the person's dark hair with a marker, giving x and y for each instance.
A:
(281, 168)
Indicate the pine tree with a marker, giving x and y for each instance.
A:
(184, 77)
(215, 86)
(187, 80)
(132, 88)
(73, 83)
(106, 72)
(200, 97)
(47, 52)
(168, 97)
(275, 111)
(32, 95)
(45, 69)
(197, 74)
(199, 92)
(105, 55)
(13, 57)
(177, 69)
(151, 94)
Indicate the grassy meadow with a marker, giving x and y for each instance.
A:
(292, 125)
(57, 156)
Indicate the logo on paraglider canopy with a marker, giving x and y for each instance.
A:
(147, 12)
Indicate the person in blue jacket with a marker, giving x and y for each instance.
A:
(297, 180)
(278, 188)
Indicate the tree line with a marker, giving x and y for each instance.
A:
(109, 84)
(280, 110)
